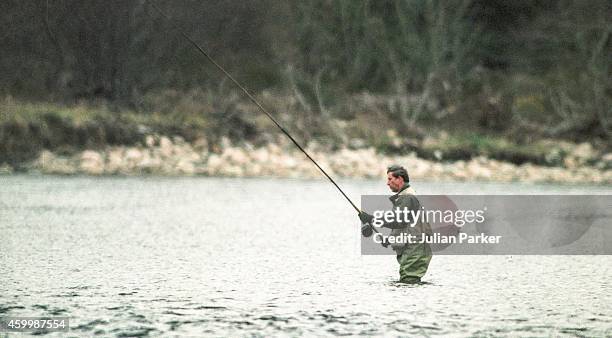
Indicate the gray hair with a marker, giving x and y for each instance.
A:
(399, 171)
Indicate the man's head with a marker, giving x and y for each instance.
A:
(397, 176)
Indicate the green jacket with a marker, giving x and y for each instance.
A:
(406, 198)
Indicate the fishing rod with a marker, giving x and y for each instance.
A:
(254, 101)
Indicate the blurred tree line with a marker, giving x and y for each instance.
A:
(536, 65)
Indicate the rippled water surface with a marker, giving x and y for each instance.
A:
(244, 257)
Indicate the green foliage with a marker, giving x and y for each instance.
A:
(372, 45)
(533, 65)
(463, 146)
(25, 132)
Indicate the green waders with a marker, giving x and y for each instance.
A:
(414, 261)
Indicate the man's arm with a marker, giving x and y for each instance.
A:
(407, 202)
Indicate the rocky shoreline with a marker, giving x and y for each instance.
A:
(161, 155)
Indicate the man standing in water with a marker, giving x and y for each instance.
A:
(413, 258)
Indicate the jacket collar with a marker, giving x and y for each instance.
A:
(405, 190)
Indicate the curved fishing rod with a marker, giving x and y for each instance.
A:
(255, 102)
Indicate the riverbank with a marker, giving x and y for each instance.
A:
(190, 136)
(161, 155)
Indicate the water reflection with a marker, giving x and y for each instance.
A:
(224, 257)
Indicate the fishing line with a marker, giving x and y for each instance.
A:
(254, 101)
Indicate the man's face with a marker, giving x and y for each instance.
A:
(394, 183)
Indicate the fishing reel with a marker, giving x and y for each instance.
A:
(367, 230)
(366, 224)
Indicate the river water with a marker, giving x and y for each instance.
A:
(140, 256)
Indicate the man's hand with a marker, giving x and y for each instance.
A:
(366, 221)
(365, 218)
(366, 230)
